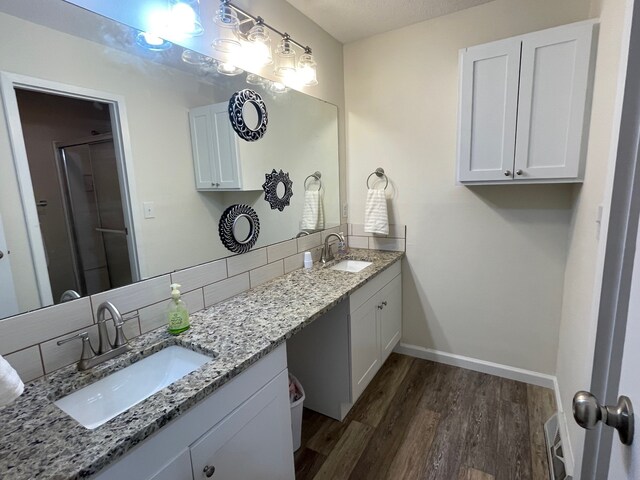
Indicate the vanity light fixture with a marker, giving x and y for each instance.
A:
(152, 42)
(184, 17)
(227, 21)
(229, 69)
(255, 47)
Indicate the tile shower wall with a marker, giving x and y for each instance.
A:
(29, 341)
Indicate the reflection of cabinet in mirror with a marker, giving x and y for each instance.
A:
(217, 153)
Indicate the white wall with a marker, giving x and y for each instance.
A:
(583, 270)
(485, 265)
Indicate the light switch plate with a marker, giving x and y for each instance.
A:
(149, 209)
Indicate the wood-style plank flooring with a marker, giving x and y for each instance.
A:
(424, 420)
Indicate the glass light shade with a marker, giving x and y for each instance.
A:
(277, 87)
(285, 59)
(193, 58)
(259, 45)
(307, 70)
(229, 69)
(184, 18)
(152, 42)
(253, 79)
(226, 20)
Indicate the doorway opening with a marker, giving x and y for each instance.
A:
(79, 192)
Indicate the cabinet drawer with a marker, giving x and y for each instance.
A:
(372, 287)
(252, 443)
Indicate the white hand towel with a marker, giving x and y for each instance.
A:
(375, 212)
(11, 387)
(312, 211)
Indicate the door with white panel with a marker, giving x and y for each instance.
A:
(488, 110)
(390, 315)
(8, 300)
(554, 88)
(365, 346)
(253, 442)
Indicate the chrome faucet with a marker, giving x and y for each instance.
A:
(327, 254)
(106, 350)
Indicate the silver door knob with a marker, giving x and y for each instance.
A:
(587, 412)
(519, 172)
(209, 471)
(507, 173)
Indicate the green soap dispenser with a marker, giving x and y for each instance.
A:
(177, 312)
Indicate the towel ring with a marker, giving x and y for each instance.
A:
(315, 175)
(379, 173)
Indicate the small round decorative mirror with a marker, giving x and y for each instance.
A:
(248, 114)
(277, 189)
(239, 228)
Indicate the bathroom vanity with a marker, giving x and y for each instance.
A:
(232, 414)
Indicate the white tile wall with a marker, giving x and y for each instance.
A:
(247, 261)
(132, 297)
(281, 250)
(27, 363)
(261, 275)
(358, 242)
(293, 262)
(220, 291)
(29, 329)
(395, 231)
(309, 241)
(381, 243)
(198, 277)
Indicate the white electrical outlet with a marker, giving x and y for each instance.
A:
(345, 210)
(149, 209)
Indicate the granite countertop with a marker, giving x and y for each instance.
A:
(40, 441)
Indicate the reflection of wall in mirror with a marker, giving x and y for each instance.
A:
(157, 98)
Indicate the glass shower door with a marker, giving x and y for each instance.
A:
(95, 215)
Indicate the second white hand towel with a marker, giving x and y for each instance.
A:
(312, 211)
(11, 387)
(375, 212)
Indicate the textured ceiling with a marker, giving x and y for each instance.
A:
(350, 20)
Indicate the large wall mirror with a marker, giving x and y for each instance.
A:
(98, 130)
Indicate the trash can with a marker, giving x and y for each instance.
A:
(296, 398)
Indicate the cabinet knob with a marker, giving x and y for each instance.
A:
(507, 173)
(213, 184)
(209, 471)
(519, 172)
(1, 254)
(379, 307)
(384, 303)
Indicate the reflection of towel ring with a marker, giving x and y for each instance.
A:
(379, 173)
(315, 175)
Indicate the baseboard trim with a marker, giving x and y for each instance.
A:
(500, 370)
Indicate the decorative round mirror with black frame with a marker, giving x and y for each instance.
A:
(239, 228)
(248, 114)
(277, 189)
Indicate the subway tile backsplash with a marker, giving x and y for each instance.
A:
(29, 341)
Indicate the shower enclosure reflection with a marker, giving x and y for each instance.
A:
(81, 214)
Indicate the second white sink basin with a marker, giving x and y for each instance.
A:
(101, 401)
(353, 266)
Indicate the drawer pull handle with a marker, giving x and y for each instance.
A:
(209, 471)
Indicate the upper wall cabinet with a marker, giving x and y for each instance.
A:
(524, 105)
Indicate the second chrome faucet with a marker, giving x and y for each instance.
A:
(106, 350)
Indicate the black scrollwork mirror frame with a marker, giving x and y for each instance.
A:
(270, 187)
(227, 226)
(236, 114)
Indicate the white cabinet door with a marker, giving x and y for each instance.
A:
(488, 110)
(215, 149)
(253, 442)
(365, 346)
(390, 317)
(178, 469)
(554, 89)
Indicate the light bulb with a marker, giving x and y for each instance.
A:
(307, 69)
(184, 18)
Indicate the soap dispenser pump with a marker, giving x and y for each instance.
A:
(177, 312)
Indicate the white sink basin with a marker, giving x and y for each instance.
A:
(353, 266)
(99, 402)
